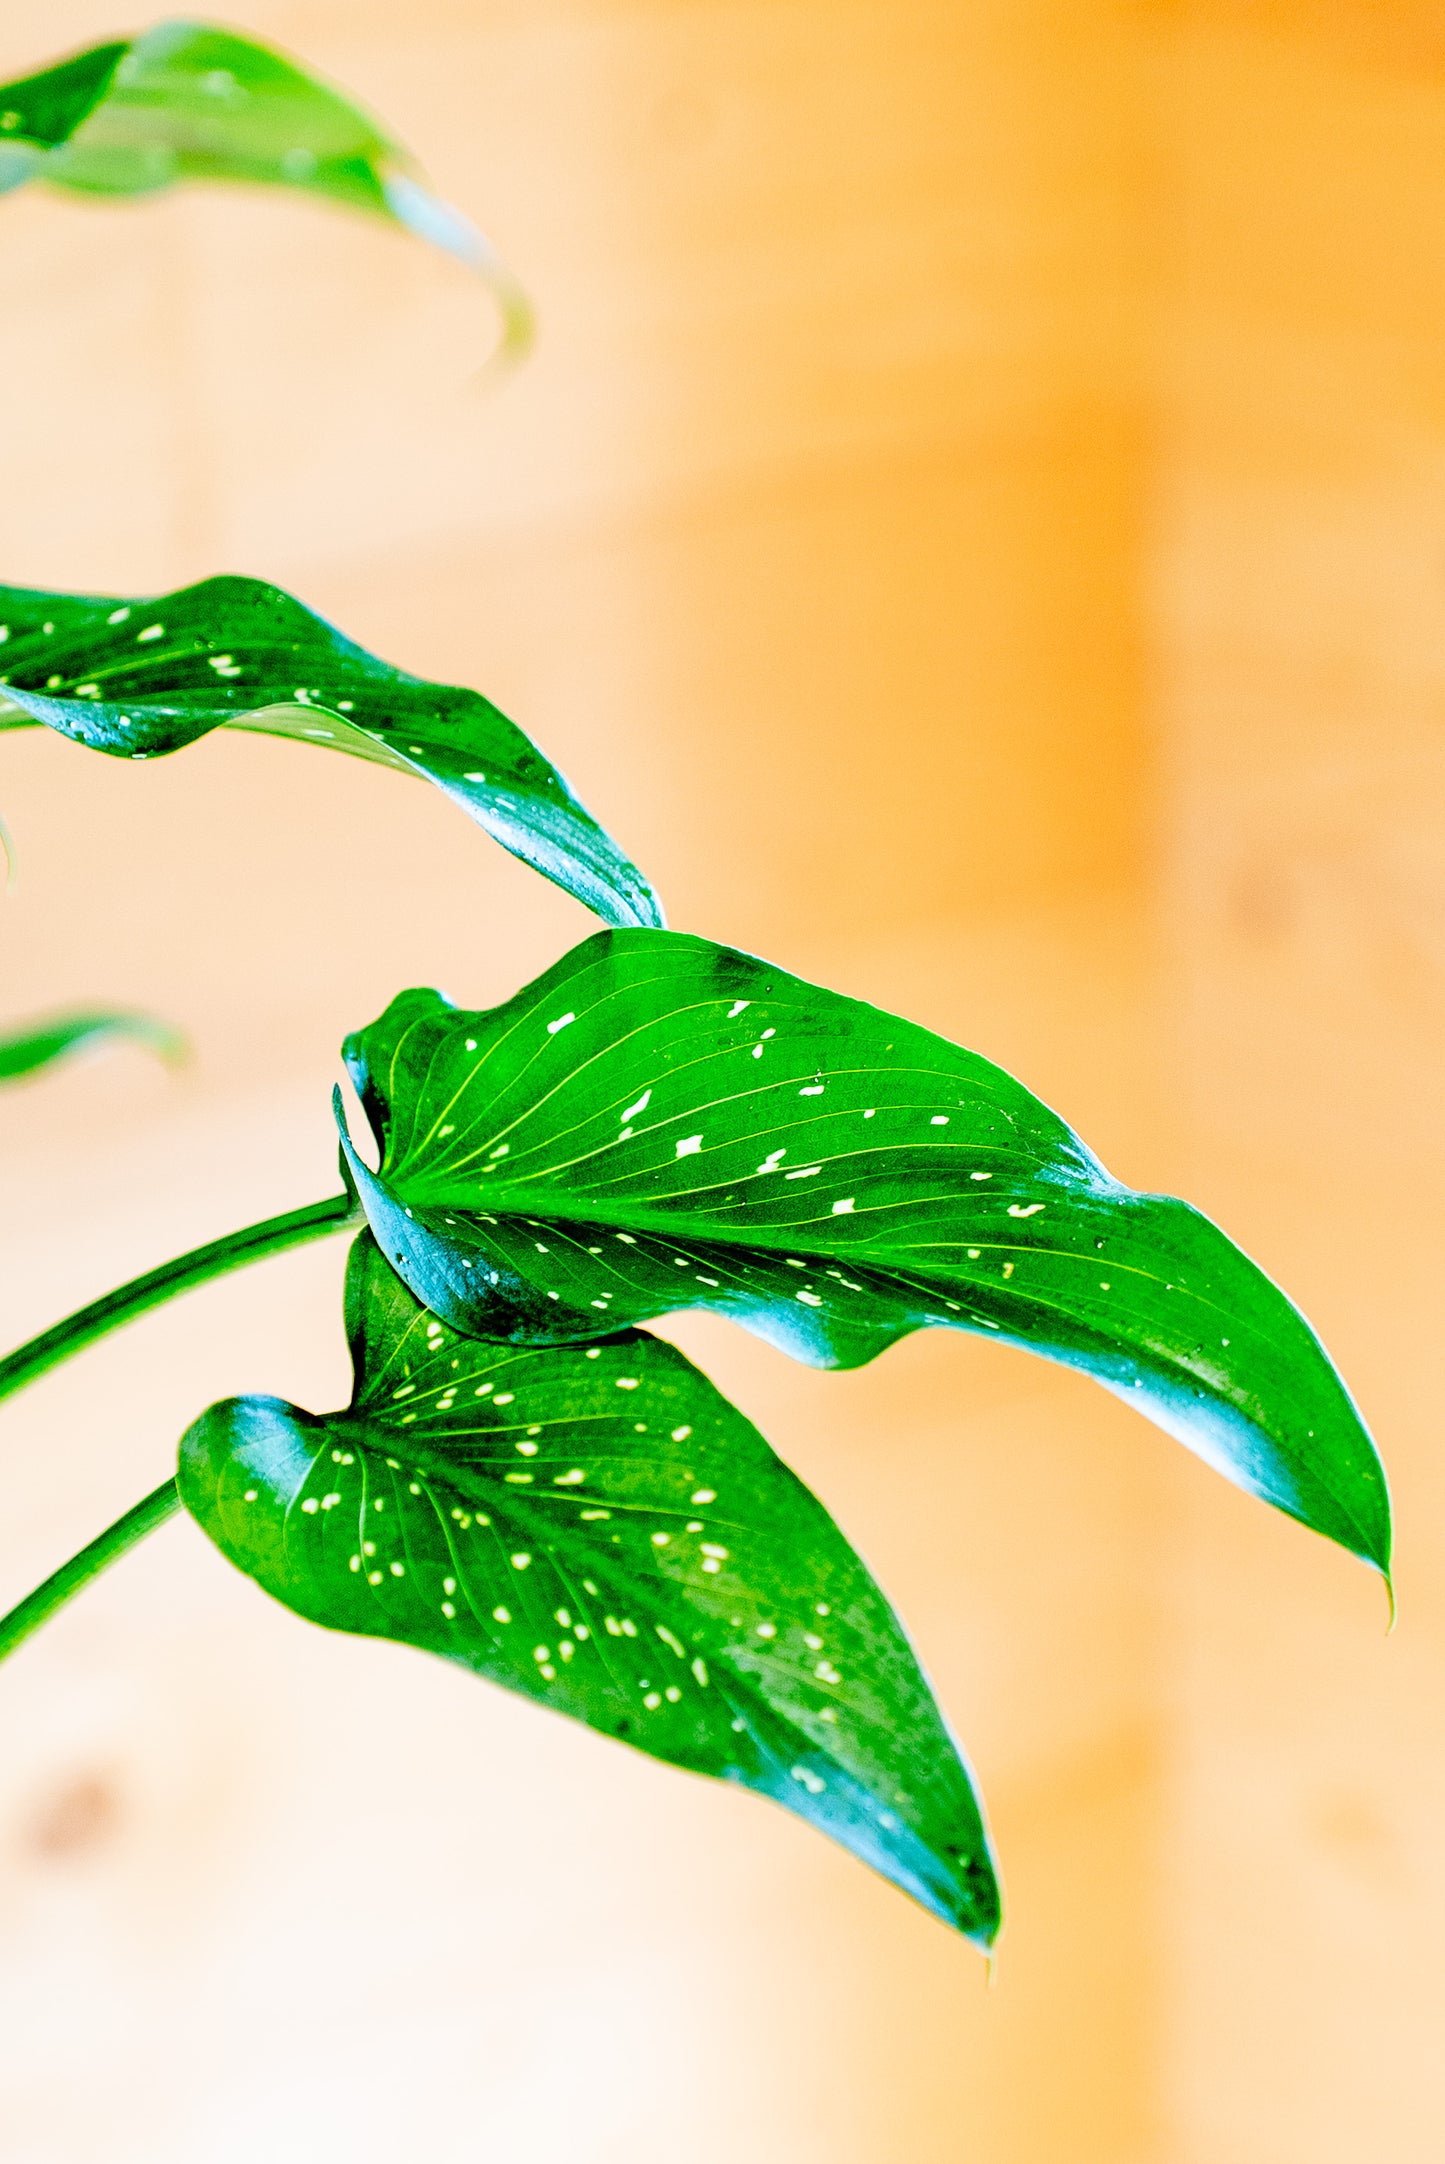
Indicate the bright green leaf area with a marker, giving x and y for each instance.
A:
(659, 1123)
(137, 678)
(41, 1044)
(599, 1529)
(189, 101)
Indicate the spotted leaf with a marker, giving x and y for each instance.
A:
(138, 678)
(659, 1123)
(25, 1051)
(189, 101)
(598, 1528)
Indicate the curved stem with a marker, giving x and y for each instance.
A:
(270, 1237)
(232, 1252)
(107, 1548)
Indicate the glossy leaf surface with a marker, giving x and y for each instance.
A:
(138, 678)
(600, 1530)
(24, 1052)
(191, 101)
(659, 1123)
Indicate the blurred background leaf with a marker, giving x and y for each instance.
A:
(41, 1043)
(191, 101)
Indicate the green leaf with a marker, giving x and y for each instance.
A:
(41, 111)
(137, 678)
(659, 1123)
(41, 1044)
(602, 1531)
(190, 101)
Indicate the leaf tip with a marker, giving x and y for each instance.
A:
(969, 1900)
(1375, 1529)
(443, 226)
(518, 332)
(172, 1047)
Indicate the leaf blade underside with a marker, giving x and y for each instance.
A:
(658, 1123)
(138, 678)
(600, 1530)
(190, 101)
(40, 1044)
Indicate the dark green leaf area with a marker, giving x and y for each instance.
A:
(659, 1123)
(599, 1529)
(25, 1051)
(140, 678)
(45, 109)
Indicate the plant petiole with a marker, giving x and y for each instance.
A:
(107, 1548)
(272, 1236)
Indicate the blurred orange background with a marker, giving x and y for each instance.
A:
(974, 527)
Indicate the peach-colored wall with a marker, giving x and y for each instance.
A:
(1301, 633)
(970, 526)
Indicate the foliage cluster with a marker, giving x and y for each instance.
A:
(526, 1480)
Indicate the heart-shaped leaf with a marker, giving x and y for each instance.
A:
(137, 678)
(190, 101)
(40, 1044)
(599, 1529)
(659, 1123)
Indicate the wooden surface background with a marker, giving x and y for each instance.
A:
(974, 526)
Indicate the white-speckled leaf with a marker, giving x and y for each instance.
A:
(599, 1529)
(138, 678)
(659, 1123)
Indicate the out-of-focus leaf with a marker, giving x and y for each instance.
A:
(136, 678)
(40, 1044)
(658, 1123)
(191, 101)
(602, 1531)
(40, 112)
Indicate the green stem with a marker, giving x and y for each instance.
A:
(270, 1237)
(107, 1548)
